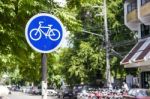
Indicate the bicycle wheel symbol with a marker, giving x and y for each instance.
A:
(35, 34)
(54, 35)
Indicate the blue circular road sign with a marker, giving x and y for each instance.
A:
(44, 32)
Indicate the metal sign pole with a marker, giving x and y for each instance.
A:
(44, 76)
(42, 41)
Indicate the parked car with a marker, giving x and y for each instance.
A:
(4, 91)
(28, 89)
(77, 89)
(65, 92)
(36, 91)
(23, 89)
(15, 88)
(51, 92)
(137, 94)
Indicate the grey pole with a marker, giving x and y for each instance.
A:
(44, 75)
(107, 45)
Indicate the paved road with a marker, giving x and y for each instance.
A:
(18, 95)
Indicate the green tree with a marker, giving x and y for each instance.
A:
(86, 56)
(14, 49)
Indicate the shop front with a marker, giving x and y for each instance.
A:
(139, 58)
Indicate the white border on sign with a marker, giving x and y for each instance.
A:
(49, 15)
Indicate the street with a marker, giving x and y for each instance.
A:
(19, 95)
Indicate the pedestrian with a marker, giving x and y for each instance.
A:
(110, 86)
(125, 86)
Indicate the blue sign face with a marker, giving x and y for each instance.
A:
(44, 33)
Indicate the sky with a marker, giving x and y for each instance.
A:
(65, 42)
(61, 2)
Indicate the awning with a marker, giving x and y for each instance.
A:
(139, 53)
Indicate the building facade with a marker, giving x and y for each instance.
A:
(137, 18)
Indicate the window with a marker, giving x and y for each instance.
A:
(144, 2)
(145, 79)
(145, 30)
(132, 6)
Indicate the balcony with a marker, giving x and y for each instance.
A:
(144, 11)
(131, 14)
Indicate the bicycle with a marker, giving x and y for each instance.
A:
(36, 33)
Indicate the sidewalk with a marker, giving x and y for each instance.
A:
(20, 95)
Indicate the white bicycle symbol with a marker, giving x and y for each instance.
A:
(36, 33)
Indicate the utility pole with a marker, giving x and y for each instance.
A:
(44, 75)
(104, 14)
(108, 75)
